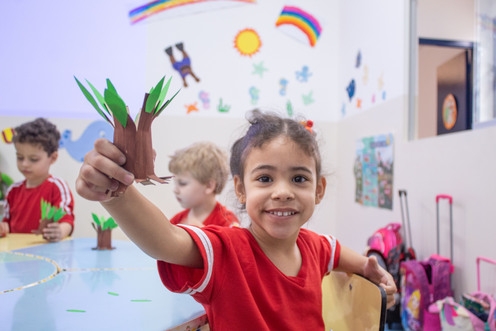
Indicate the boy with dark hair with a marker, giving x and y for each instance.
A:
(36, 145)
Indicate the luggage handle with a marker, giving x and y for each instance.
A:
(485, 259)
(405, 217)
(450, 200)
(444, 196)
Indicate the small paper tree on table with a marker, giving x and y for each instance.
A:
(103, 227)
(134, 142)
(49, 214)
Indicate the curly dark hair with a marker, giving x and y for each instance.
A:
(264, 128)
(38, 132)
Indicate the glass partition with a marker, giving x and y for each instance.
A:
(485, 60)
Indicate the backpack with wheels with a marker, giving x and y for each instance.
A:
(425, 282)
(391, 245)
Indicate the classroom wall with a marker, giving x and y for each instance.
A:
(460, 164)
(52, 41)
(242, 59)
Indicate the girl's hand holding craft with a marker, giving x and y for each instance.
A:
(102, 172)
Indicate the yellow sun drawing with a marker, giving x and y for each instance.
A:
(247, 42)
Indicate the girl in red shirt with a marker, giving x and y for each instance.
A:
(264, 277)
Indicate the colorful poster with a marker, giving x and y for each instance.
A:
(373, 169)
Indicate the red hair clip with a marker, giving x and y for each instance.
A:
(308, 124)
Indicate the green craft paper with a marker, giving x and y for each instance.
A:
(99, 97)
(154, 95)
(116, 105)
(92, 100)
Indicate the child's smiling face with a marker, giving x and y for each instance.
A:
(280, 188)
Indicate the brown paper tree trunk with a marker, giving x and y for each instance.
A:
(104, 239)
(43, 224)
(136, 144)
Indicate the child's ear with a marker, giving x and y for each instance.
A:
(320, 190)
(239, 189)
(211, 184)
(53, 157)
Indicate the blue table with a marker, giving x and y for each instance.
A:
(70, 286)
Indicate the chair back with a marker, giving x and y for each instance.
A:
(351, 302)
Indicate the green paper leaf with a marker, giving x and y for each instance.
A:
(163, 93)
(99, 97)
(59, 213)
(111, 87)
(92, 100)
(96, 219)
(166, 104)
(110, 223)
(117, 106)
(43, 209)
(154, 95)
(51, 212)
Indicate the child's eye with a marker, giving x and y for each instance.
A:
(264, 179)
(299, 179)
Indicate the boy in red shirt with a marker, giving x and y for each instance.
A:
(200, 174)
(36, 145)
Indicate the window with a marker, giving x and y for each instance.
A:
(485, 59)
(451, 32)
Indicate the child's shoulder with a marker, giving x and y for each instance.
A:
(54, 184)
(307, 233)
(314, 238)
(15, 186)
(56, 180)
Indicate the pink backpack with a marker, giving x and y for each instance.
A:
(423, 283)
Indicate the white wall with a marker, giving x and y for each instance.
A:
(51, 41)
(460, 164)
(446, 19)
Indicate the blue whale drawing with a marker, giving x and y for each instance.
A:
(77, 149)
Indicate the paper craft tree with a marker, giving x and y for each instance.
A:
(134, 140)
(5, 182)
(103, 227)
(49, 214)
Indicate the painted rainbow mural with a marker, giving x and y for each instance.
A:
(303, 20)
(154, 7)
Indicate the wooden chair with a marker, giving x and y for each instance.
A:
(351, 302)
(199, 323)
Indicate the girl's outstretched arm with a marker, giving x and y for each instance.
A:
(141, 220)
(352, 262)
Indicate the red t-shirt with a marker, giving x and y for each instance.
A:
(220, 215)
(241, 289)
(22, 208)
